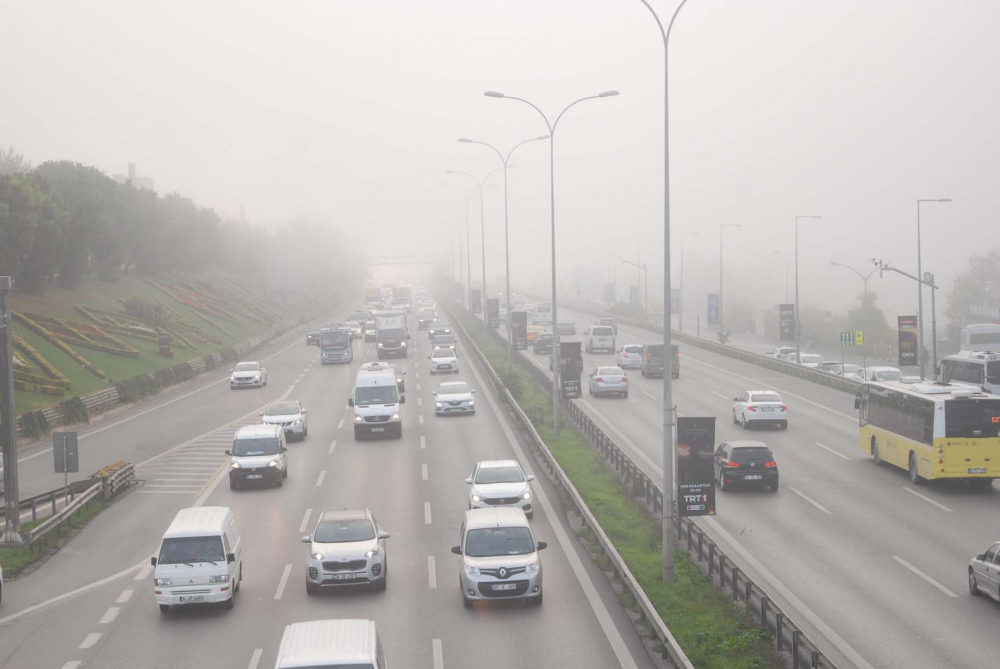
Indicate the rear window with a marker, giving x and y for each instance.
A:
(748, 455)
(765, 397)
(610, 371)
(654, 350)
(993, 372)
(602, 331)
(972, 419)
(632, 349)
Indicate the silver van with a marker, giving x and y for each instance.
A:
(318, 644)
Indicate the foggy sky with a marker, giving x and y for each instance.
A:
(851, 110)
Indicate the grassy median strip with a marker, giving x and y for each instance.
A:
(713, 632)
(16, 559)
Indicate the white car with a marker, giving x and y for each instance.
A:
(878, 374)
(500, 483)
(346, 548)
(761, 407)
(248, 375)
(779, 351)
(630, 356)
(806, 359)
(443, 360)
(290, 415)
(599, 338)
(840, 369)
(357, 329)
(455, 397)
(608, 381)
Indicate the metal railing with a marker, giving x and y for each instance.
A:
(57, 519)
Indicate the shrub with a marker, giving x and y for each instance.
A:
(34, 424)
(74, 411)
(229, 354)
(136, 388)
(209, 362)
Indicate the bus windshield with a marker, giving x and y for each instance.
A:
(971, 419)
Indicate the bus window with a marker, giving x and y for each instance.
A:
(971, 419)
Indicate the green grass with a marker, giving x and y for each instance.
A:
(16, 560)
(713, 632)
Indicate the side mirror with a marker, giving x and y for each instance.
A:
(473, 391)
(403, 374)
(260, 413)
(383, 535)
(428, 357)
(469, 480)
(434, 392)
(736, 399)
(305, 411)
(857, 401)
(542, 545)
(228, 452)
(307, 539)
(978, 557)
(457, 550)
(230, 557)
(152, 560)
(402, 399)
(231, 369)
(530, 477)
(350, 401)
(282, 449)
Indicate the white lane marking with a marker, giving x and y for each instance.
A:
(423, 471)
(650, 396)
(305, 521)
(198, 481)
(333, 445)
(211, 485)
(299, 378)
(927, 499)
(144, 572)
(720, 395)
(72, 664)
(621, 650)
(319, 481)
(418, 375)
(91, 639)
(255, 658)
(423, 442)
(420, 419)
(164, 492)
(924, 576)
(340, 424)
(420, 401)
(438, 653)
(427, 513)
(288, 392)
(811, 501)
(125, 596)
(418, 386)
(110, 615)
(432, 578)
(284, 580)
(838, 454)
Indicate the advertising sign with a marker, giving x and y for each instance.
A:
(476, 299)
(695, 466)
(519, 325)
(493, 311)
(713, 308)
(786, 321)
(570, 368)
(907, 341)
(675, 300)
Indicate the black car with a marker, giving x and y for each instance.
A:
(745, 463)
(312, 335)
(543, 343)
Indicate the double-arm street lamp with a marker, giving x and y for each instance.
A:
(465, 196)
(864, 277)
(556, 386)
(920, 295)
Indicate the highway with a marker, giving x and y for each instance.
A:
(91, 604)
(878, 565)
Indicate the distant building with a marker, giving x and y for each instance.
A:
(142, 183)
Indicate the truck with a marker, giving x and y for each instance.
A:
(402, 296)
(373, 297)
(391, 334)
(335, 344)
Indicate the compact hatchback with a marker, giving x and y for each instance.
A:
(745, 463)
(630, 356)
(438, 327)
(543, 343)
(346, 548)
(760, 407)
(290, 415)
(500, 483)
(258, 456)
(452, 398)
(443, 361)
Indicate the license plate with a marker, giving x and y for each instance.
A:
(977, 470)
(192, 599)
(767, 409)
(444, 367)
(378, 429)
(251, 477)
(504, 586)
(345, 577)
(752, 477)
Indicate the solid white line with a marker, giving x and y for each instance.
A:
(198, 481)
(175, 486)
(125, 596)
(427, 513)
(420, 419)
(432, 578)
(423, 471)
(423, 442)
(305, 521)
(839, 455)
(319, 481)
(720, 395)
(110, 615)
(72, 664)
(284, 579)
(162, 492)
(91, 639)
(420, 401)
(255, 658)
(811, 501)
(927, 499)
(333, 445)
(924, 576)
(650, 395)
(438, 653)
(146, 569)
(340, 424)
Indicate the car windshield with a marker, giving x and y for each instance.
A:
(888, 375)
(499, 541)
(602, 332)
(281, 409)
(246, 367)
(453, 389)
(765, 397)
(971, 419)
(507, 474)
(443, 353)
(255, 446)
(191, 549)
(342, 531)
(366, 395)
(747, 455)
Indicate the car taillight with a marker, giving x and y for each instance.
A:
(677, 355)
(624, 379)
(772, 463)
(784, 408)
(732, 464)
(751, 408)
(599, 380)
(986, 390)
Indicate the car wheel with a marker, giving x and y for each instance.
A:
(384, 583)
(590, 390)
(233, 485)
(164, 608)
(735, 422)
(305, 432)
(231, 602)
(973, 586)
(281, 481)
(236, 588)
(537, 601)
(311, 588)
(784, 425)
(284, 472)
(915, 478)
(774, 488)
(466, 602)
(722, 482)
(625, 395)
(642, 371)
(743, 421)
(875, 457)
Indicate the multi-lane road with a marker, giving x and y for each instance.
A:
(869, 562)
(91, 604)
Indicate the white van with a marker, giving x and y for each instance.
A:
(200, 559)
(599, 338)
(542, 315)
(331, 643)
(376, 400)
(259, 456)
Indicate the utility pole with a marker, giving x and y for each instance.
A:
(8, 436)
(927, 280)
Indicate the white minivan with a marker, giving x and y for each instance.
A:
(377, 401)
(317, 644)
(200, 559)
(599, 338)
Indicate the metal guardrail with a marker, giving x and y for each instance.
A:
(116, 478)
(708, 554)
(57, 519)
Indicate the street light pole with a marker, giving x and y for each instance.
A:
(920, 295)
(721, 310)
(864, 278)
(798, 321)
(680, 290)
(928, 279)
(786, 254)
(8, 433)
(556, 388)
(506, 238)
(466, 198)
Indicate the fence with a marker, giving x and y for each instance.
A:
(708, 554)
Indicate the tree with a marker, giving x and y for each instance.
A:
(978, 285)
(12, 162)
(870, 319)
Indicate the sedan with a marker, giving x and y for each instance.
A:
(608, 381)
(500, 483)
(984, 573)
(443, 360)
(357, 329)
(346, 548)
(566, 327)
(543, 343)
(762, 407)
(749, 463)
(610, 322)
(370, 331)
(453, 398)
(290, 415)
(438, 327)
(248, 375)
(629, 356)
(878, 374)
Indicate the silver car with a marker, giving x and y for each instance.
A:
(290, 415)
(608, 381)
(984, 573)
(500, 483)
(499, 557)
(452, 398)
(346, 548)
(629, 356)
(248, 375)
(443, 361)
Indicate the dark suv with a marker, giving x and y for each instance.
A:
(747, 463)
(652, 361)
(543, 343)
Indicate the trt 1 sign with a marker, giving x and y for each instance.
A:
(695, 466)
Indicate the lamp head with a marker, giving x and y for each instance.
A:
(493, 94)
(608, 94)
(465, 140)
(450, 172)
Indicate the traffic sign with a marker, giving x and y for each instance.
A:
(854, 338)
(859, 338)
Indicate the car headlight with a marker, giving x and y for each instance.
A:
(256, 377)
(404, 343)
(272, 463)
(447, 331)
(164, 582)
(236, 465)
(472, 570)
(531, 568)
(477, 498)
(297, 422)
(372, 553)
(526, 495)
(380, 344)
(317, 556)
(358, 419)
(439, 404)
(219, 579)
(472, 403)
(395, 416)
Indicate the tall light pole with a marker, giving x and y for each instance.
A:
(506, 237)
(680, 290)
(8, 418)
(920, 295)
(669, 534)
(864, 277)
(465, 196)
(798, 321)
(722, 228)
(556, 387)
(786, 254)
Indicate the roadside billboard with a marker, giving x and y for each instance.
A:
(570, 368)
(907, 341)
(519, 329)
(493, 311)
(695, 466)
(476, 299)
(713, 309)
(786, 321)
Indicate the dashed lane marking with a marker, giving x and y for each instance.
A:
(340, 424)
(305, 521)
(927, 499)
(91, 639)
(333, 445)
(811, 501)
(125, 596)
(144, 572)
(110, 615)
(427, 513)
(319, 481)
(432, 578)
(438, 653)
(924, 576)
(255, 658)
(838, 454)
(423, 442)
(423, 471)
(284, 581)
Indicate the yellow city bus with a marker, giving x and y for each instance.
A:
(932, 430)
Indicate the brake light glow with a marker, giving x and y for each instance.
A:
(751, 408)
(784, 408)
(599, 380)
(772, 463)
(732, 464)
(624, 379)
